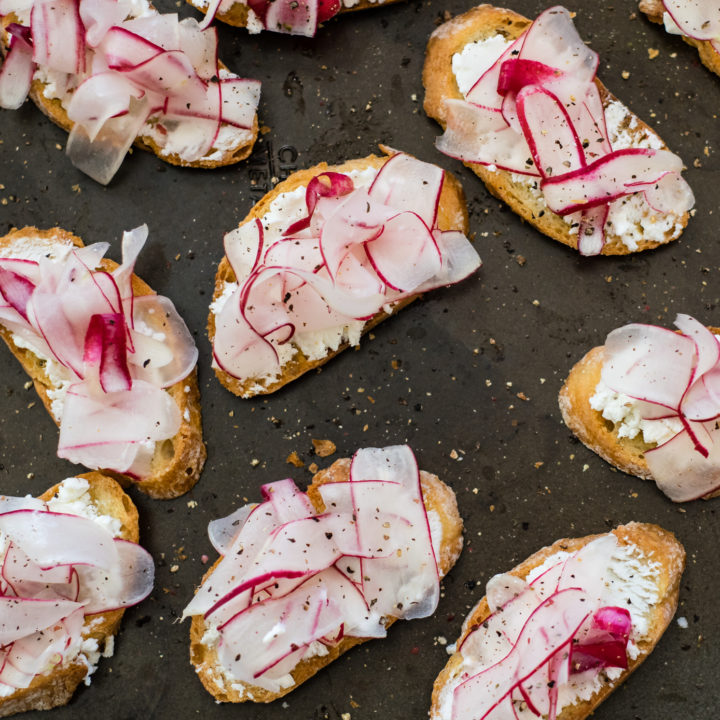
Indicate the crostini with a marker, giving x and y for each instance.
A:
(648, 402)
(304, 577)
(327, 255)
(521, 106)
(113, 362)
(113, 74)
(71, 564)
(558, 633)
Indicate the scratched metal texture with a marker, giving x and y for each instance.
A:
(444, 375)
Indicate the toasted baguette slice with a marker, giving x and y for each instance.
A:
(238, 14)
(596, 432)
(708, 55)
(56, 688)
(438, 497)
(439, 81)
(452, 215)
(657, 545)
(177, 462)
(54, 109)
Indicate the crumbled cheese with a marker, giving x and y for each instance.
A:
(624, 412)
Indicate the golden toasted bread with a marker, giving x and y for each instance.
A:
(178, 461)
(438, 498)
(56, 688)
(523, 197)
(452, 215)
(657, 546)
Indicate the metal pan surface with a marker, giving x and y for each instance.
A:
(469, 376)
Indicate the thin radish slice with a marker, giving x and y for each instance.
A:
(37, 533)
(551, 627)
(699, 20)
(480, 135)
(637, 358)
(21, 616)
(105, 352)
(223, 530)
(407, 184)
(553, 39)
(554, 144)
(16, 290)
(100, 157)
(16, 72)
(98, 16)
(350, 566)
(620, 173)
(99, 98)
(681, 472)
(58, 35)
(129, 582)
(329, 184)
(400, 264)
(297, 17)
(591, 233)
(164, 349)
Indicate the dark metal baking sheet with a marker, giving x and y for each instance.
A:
(444, 375)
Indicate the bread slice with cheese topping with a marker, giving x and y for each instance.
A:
(177, 461)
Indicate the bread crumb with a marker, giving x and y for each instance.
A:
(192, 504)
(586, 467)
(538, 464)
(520, 260)
(254, 462)
(174, 568)
(294, 459)
(536, 303)
(653, 53)
(522, 396)
(345, 716)
(323, 448)
(313, 468)
(624, 74)
(453, 454)
(682, 622)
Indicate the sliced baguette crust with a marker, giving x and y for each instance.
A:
(657, 544)
(53, 108)
(56, 688)
(593, 430)
(178, 461)
(708, 56)
(438, 497)
(237, 15)
(480, 23)
(452, 215)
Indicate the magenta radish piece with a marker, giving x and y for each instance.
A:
(16, 289)
(606, 179)
(698, 20)
(16, 72)
(105, 350)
